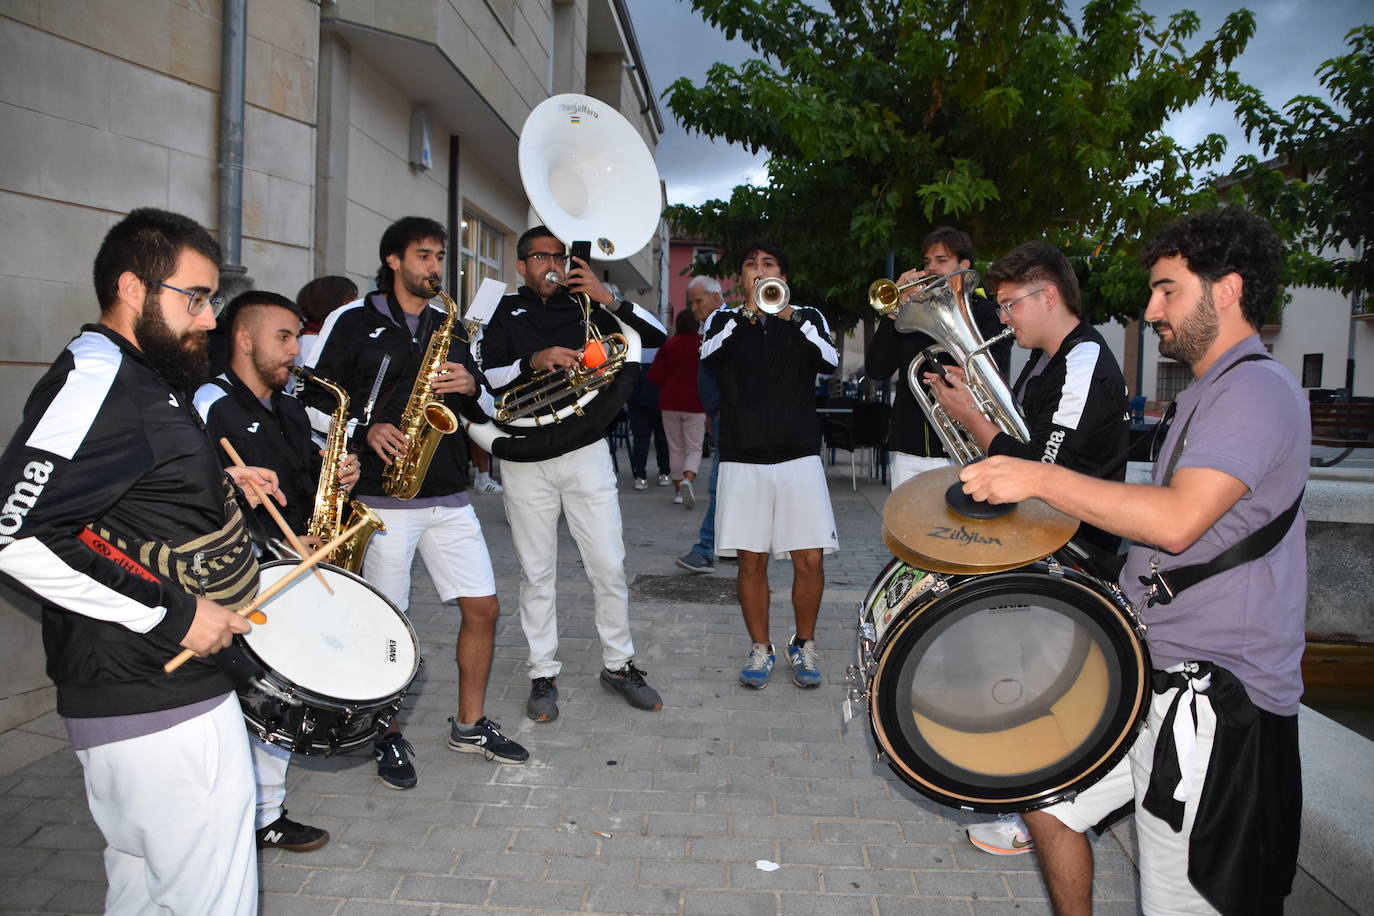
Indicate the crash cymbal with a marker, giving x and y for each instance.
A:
(921, 527)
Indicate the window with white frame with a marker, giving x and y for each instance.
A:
(480, 251)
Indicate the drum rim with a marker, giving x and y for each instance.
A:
(334, 702)
(1121, 615)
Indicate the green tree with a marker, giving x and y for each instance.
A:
(1318, 190)
(1008, 119)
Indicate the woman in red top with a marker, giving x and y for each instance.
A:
(674, 370)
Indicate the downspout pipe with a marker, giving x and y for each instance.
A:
(234, 277)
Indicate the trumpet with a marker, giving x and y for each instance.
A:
(885, 296)
(771, 295)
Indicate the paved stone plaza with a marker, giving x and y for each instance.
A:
(618, 810)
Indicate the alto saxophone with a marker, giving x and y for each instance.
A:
(425, 420)
(327, 519)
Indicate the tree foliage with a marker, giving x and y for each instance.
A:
(1318, 190)
(1010, 119)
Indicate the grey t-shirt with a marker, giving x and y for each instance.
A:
(1253, 424)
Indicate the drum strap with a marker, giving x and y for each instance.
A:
(1162, 586)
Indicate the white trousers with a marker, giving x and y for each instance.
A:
(269, 769)
(176, 810)
(902, 467)
(580, 484)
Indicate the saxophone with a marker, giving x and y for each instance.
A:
(425, 419)
(326, 521)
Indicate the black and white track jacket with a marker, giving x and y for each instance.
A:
(105, 440)
(524, 324)
(1077, 414)
(766, 369)
(277, 439)
(349, 352)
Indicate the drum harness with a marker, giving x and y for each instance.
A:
(1163, 586)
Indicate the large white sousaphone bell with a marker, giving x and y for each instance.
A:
(589, 175)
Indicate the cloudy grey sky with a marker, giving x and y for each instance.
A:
(1292, 38)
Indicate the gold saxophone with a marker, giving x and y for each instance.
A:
(326, 521)
(425, 420)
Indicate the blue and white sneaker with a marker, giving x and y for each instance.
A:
(805, 662)
(759, 666)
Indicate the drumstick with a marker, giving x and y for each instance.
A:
(267, 594)
(266, 502)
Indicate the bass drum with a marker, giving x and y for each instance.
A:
(335, 668)
(1003, 692)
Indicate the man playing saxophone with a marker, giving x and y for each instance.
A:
(247, 405)
(539, 329)
(375, 349)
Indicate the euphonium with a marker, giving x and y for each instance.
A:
(425, 420)
(327, 519)
(948, 319)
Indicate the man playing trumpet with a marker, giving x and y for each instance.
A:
(772, 495)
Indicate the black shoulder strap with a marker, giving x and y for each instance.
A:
(1164, 585)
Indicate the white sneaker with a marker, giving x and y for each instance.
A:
(490, 486)
(664, 480)
(677, 498)
(689, 499)
(1006, 836)
(641, 483)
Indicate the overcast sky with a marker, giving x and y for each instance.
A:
(1291, 40)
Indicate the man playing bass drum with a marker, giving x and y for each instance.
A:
(538, 329)
(392, 326)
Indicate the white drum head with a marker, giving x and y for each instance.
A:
(353, 645)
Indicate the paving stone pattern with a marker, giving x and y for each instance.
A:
(618, 810)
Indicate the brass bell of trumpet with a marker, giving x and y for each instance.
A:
(771, 295)
(885, 296)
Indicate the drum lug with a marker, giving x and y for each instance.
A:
(1053, 567)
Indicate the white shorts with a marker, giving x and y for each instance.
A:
(902, 467)
(1090, 808)
(450, 541)
(775, 508)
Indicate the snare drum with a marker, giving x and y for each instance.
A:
(335, 667)
(1002, 692)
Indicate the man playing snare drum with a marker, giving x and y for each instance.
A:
(1215, 777)
(110, 486)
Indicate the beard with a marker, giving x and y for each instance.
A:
(421, 285)
(273, 374)
(183, 361)
(1195, 334)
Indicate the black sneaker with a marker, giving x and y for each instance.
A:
(284, 833)
(486, 740)
(629, 683)
(543, 701)
(394, 769)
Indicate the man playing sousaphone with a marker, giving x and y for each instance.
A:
(378, 344)
(537, 332)
(117, 517)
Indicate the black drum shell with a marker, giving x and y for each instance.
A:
(952, 754)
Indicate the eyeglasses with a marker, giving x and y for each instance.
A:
(1005, 308)
(197, 301)
(550, 256)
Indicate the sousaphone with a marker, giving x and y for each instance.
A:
(589, 177)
